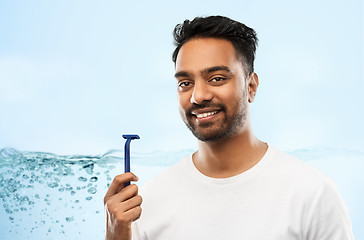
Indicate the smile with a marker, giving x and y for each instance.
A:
(203, 115)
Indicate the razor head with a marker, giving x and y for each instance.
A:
(131, 136)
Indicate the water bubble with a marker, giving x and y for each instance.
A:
(69, 219)
(88, 198)
(52, 184)
(73, 193)
(82, 179)
(93, 179)
(92, 190)
(89, 168)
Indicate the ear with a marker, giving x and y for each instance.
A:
(253, 83)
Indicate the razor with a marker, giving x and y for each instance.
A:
(127, 153)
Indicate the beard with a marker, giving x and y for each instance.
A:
(217, 130)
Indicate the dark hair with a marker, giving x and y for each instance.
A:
(243, 38)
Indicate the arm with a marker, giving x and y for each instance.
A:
(329, 217)
(122, 207)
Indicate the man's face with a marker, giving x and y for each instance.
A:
(212, 93)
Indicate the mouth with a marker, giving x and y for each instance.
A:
(202, 115)
(206, 114)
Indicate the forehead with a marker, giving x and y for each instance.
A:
(201, 53)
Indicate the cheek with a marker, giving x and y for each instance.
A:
(230, 94)
(183, 102)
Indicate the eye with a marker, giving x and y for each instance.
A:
(184, 85)
(217, 79)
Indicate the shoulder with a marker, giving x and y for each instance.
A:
(297, 179)
(286, 166)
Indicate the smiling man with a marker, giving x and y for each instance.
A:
(234, 186)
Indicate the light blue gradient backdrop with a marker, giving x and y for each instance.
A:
(76, 75)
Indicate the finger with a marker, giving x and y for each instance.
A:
(126, 193)
(131, 203)
(118, 183)
(133, 214)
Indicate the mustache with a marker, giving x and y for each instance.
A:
(195, 106)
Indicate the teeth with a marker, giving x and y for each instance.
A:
(203, 115)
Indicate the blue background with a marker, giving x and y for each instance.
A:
(76, 75)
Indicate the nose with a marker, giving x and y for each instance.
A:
(201, 93)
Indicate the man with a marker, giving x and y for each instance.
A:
(234, 186)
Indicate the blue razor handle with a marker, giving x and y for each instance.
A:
(127, 153)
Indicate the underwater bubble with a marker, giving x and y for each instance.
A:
(89, 168)
(88, 198)
(82, 179)
(52, 184)
(25, 176)
(24, 199)
(11, 218)
(78, 188)
(93, 179)
(77, 201)
(61, 189)
(69, 219)
(73, 193)
(92, 190)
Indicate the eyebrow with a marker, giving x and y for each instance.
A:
(205, 71)
(182, 74)
(215, 69)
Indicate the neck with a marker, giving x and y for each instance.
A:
(229, 157)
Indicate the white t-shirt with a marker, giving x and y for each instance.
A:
(279, 198)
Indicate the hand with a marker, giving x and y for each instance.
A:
(122, 207)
